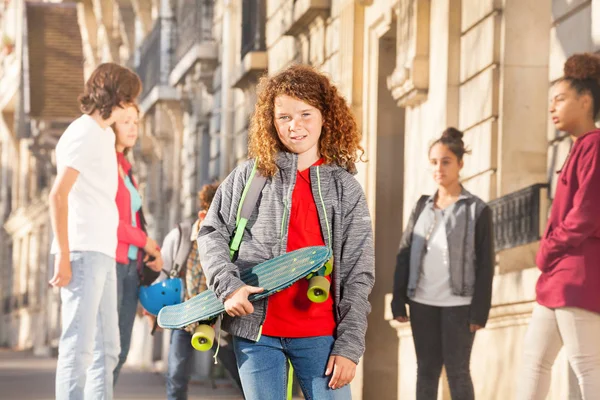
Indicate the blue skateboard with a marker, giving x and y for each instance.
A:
(273, 276)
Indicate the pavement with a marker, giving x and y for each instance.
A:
(24, 376)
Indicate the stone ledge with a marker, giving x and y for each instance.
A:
(253, 65)
(304, 12)
(158, 94)
(409, 82)
(204, 53)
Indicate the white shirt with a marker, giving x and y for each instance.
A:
(93, 213)
(433, 287)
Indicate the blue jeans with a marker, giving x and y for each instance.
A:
(89, 343)
(181, 355)
(128, 282)
(263, 367)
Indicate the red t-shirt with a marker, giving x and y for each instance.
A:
(290, 313)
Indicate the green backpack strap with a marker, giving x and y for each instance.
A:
(252, 190)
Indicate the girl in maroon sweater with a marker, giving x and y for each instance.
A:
(568, 290)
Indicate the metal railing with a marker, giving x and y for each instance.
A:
(253, 26)
(517, 216)
(156, 56)
(194, 25)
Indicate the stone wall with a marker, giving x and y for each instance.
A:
(505, 54)
(409, 69)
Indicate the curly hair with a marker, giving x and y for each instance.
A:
(207, 194)
(109, 86)
(340, 138)
(582, 71)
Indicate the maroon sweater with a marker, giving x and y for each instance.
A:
(569, 254)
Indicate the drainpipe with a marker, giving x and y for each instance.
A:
(226, 92)
(167, 30)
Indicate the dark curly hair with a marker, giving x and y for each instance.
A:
(582, 71)
(340, 138)
(206, 195)
(109, 86)
(452, 138)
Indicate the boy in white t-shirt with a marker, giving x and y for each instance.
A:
(84, 221)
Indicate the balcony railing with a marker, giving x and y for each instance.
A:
(156, 56)
(518, 217)
(194, 25)
(253, 26)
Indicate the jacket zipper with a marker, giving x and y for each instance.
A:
(329, 239)
(287, 206)
(329, 243)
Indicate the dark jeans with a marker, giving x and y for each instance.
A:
(180, 364)
(128, 282)
(442, 338)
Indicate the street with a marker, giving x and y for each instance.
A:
(26, 377)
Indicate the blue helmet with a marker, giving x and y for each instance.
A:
(160, 294)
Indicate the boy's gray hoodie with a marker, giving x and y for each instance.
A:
(346, 227)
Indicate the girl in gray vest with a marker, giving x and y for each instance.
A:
(444, 273)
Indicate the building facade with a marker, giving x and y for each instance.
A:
(408, 69)
(41, 46)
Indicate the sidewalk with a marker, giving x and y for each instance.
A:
(27, 377)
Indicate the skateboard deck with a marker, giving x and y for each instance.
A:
(272, 275)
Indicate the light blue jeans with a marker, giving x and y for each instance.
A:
(263, 367)
(128, 282)
(89, 343)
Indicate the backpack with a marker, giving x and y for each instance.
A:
(184, 248)
(149, 276)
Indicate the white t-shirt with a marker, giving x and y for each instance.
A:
(433, 288)
(93, 213)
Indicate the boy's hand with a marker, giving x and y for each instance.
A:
(62, 270)
(156, 264)
(151, 321)
(343, 371)
(237, 304)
